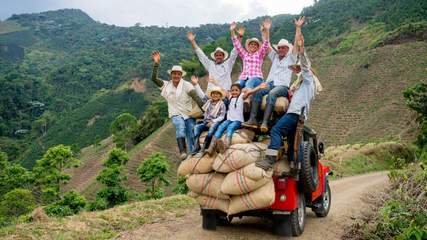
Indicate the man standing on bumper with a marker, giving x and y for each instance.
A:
(301, 101)
(179, 95)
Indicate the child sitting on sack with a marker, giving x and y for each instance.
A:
(214, 112)
(234, 113)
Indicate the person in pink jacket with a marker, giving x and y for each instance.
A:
(252, 58)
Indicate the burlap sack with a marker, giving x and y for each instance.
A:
(238, 156)
(281, 106)
(235, 183)
(254, 173)
(207, 202)
(241, 136)
(207, 184)
(261, 198)
(192, 194)
(281, 167)
(196, 165)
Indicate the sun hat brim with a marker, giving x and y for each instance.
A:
(182, 71)
(224, 52)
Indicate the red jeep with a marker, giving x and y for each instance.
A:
(288, 212)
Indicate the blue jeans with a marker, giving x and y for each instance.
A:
(203, 126)
(285, 127)
(230, 126)
(184, 128)
(249, 82)
(273, 93)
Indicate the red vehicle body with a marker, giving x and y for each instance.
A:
(292, 194)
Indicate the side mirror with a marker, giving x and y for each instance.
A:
(321, 148)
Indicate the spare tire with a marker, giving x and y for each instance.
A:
(309, 178)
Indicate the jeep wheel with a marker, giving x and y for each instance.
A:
(297, 217)
(323, 204)
(209, 219)
(308, 173)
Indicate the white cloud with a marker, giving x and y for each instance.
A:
(161, 12)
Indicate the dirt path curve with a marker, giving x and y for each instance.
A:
(347, 203)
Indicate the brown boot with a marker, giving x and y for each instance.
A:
(211, 147)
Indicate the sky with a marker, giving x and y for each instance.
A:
(160, 12)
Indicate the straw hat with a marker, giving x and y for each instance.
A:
(252, 40)
(218, 90)
(283, 42)
(218, 49)
(177, 68)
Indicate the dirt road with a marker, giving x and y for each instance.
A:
(347, 203)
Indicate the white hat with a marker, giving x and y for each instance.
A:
(216, 89)
(283, 42)
(218, 49)
(177, 68)
(252, 40)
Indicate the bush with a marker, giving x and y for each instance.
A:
(152, 172)
(71, 203)
(181, 186)
(98, 204)
(16, 203)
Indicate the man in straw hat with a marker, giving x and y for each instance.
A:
(214, 113)
(180, 96)
(300, 104)
(282, 56)
(221, 65)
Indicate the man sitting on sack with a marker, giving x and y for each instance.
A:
(306, 87)
(282, 56)
(180, 96)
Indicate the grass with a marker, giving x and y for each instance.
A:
(10, 26)
(103, 224)
(348, 160)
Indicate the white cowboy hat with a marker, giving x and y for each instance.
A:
(177, 68)
(218, 90)
(218, 49)
(252, 40)
(283, 42)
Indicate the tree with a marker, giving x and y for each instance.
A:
(12, 175)
(49, 171)
(111, 177)
(152, 172)
(123, 129)
(153, 118)
(416, 99)
(17, 202)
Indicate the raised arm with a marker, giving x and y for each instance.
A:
(199, 52)
(265, 31)
(236, 41)
(298, 45)
(199, 91)
(156, 62)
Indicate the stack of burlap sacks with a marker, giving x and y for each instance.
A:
(230, 181)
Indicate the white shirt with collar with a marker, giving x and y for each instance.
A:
(179, 102)
(280, 73)
(220, 72)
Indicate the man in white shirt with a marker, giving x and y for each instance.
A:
(180, 96)
(220, 67)
(300, 104)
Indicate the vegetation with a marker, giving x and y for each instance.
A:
(103, 224)
(14, 204)
(123, 129)
(111, 177)
(49, 171)
(70, 204)
(152, 173)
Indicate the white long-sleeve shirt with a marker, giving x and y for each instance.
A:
(220, 72)
(280, 74)
(306, 92)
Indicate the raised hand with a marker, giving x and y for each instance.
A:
(194, 80)
(156, 56)
(299, 22)
(241, 31)
(266, 25)
(191, 37)
(233, 26)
